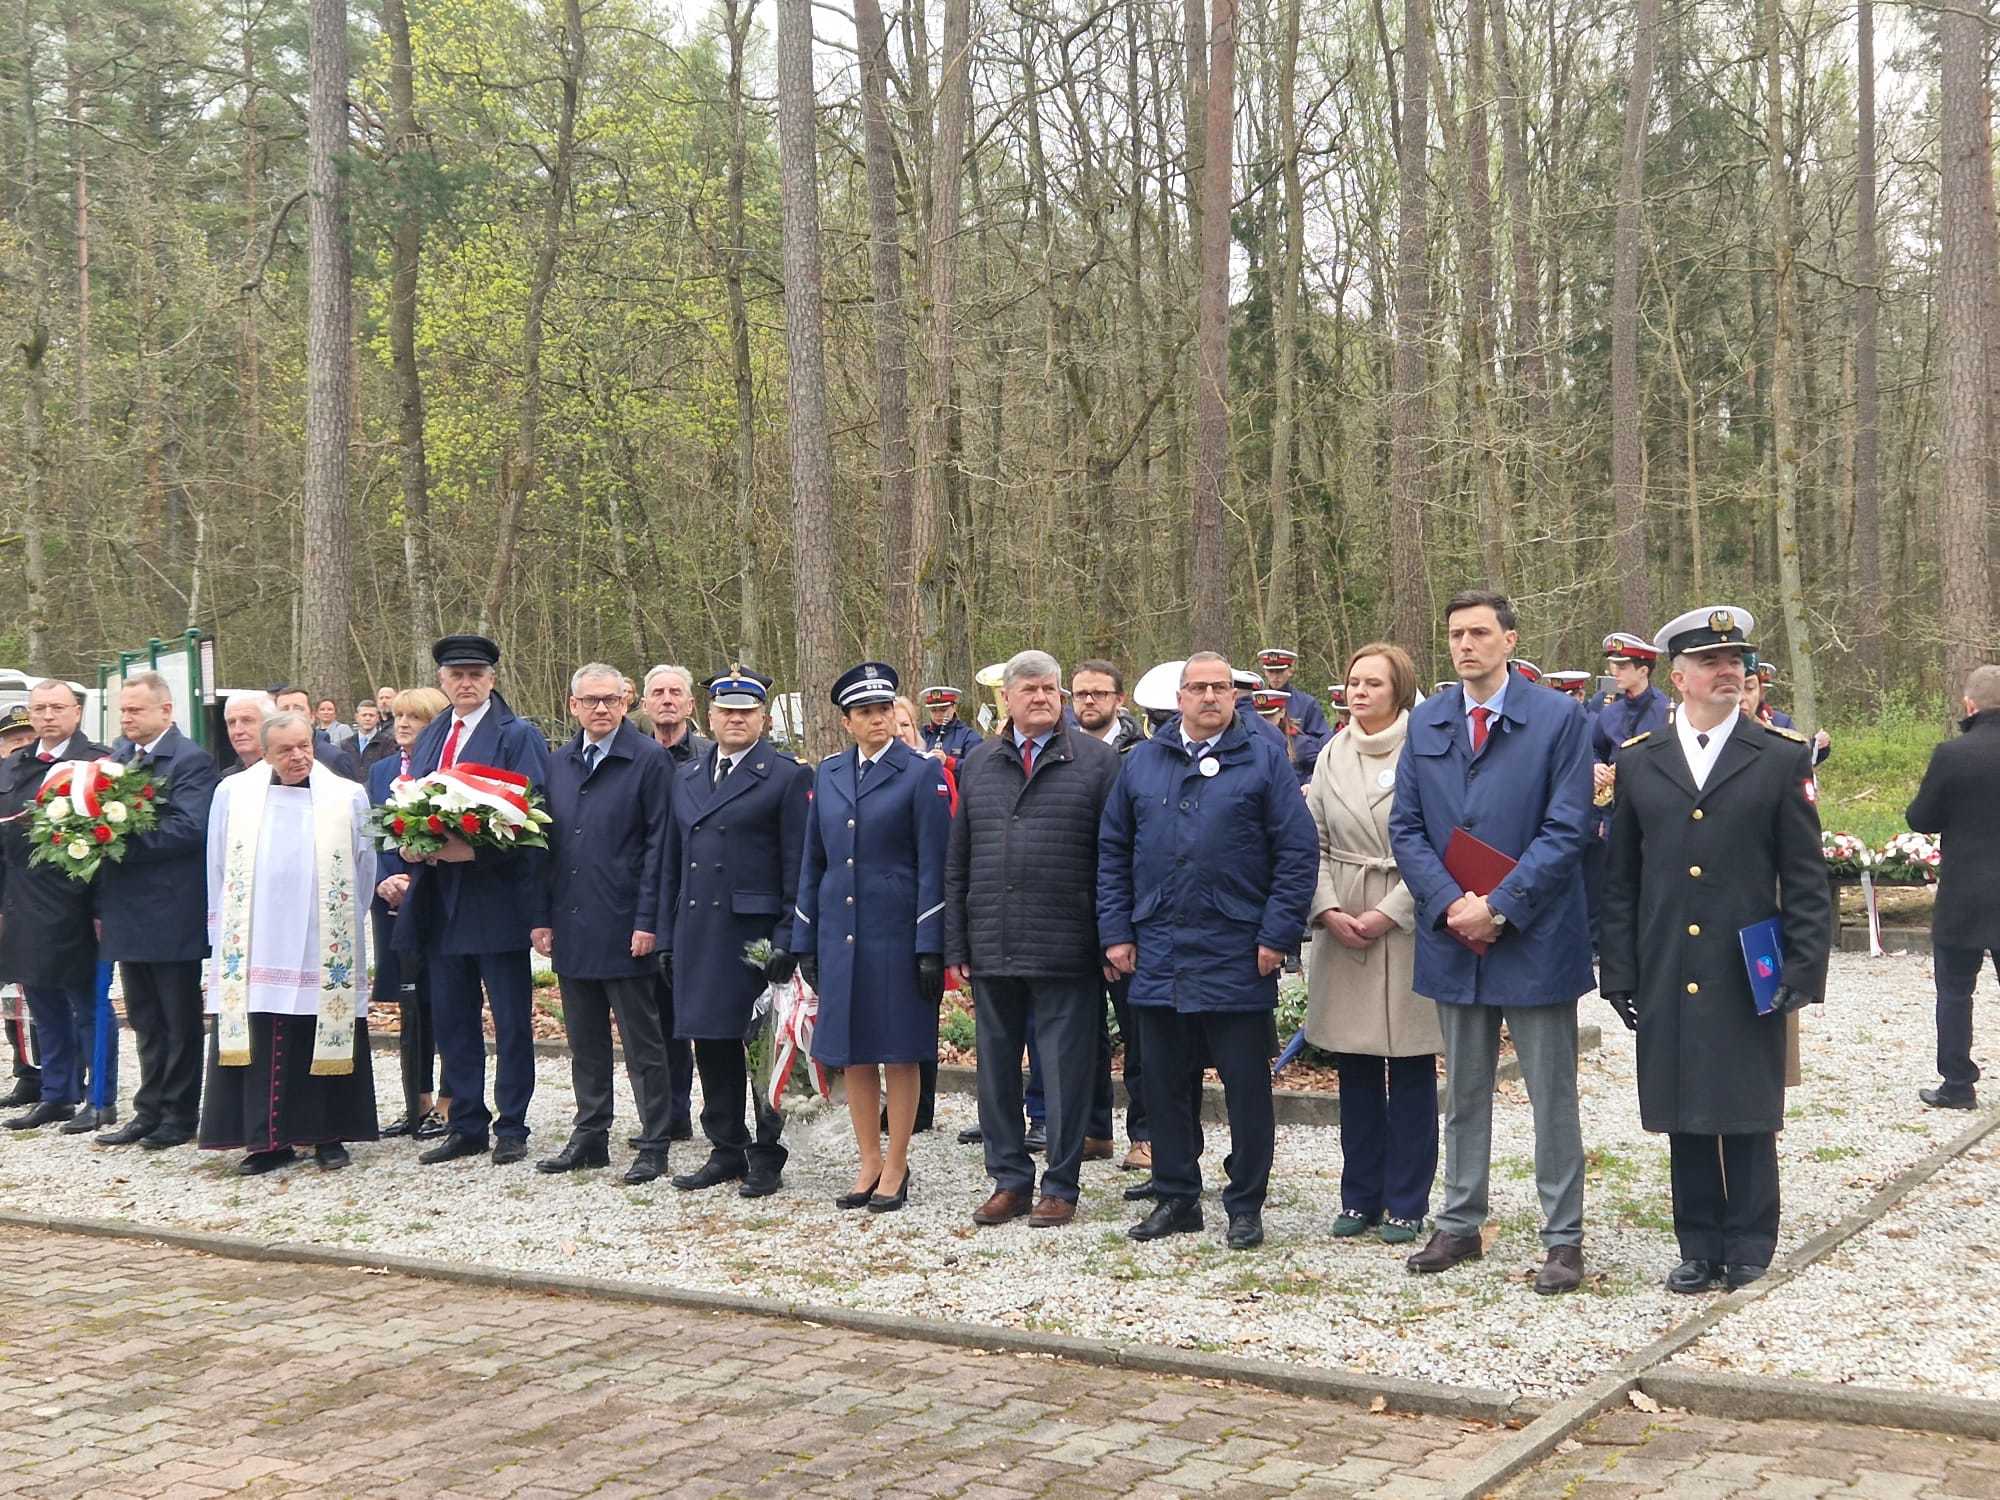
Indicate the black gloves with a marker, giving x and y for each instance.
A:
(930, 977)
(808, 966)
(1789, 1000)
(1627, 1011)
(779, 967)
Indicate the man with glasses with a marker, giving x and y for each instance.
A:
(1207, 860)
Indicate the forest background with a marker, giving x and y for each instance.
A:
(627, 330)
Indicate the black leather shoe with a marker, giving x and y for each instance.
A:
(857, 1199)
(1036, 1140)
(332, 1157)
(1141, 1190)
(647, 1166)
(88, 1120)
(508, 1150)
(591, 1151)
(1738, 1275)
(1246, 1231)
(1445, 1251)
(395, 1128)
(972, 1135)
(1950, 1098)
(42, 1114)
(456, 1143)
(166, 1138)
(1692, 1276)
(710, 1173)
(257, 1163)
(25, 1091)
(129, 1134)
(887, 1203)
(431, 1127)
(761, 1184)
(1169, 1216)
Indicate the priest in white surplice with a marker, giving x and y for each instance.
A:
(289, 866)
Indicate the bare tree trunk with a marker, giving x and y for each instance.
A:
(1280, 603)
(1209, 575)
(1628, 488)
(1867, 390)
(33, 344)
(523, 472)
(82, 496)
(750, 604)
(892, 342)
(1965, 608)
(1476, 338)
(326, 643)
(1784, 426)
(1527, 293)
(1409, 605)
(815, 551)
(250, 399)
(406, 254)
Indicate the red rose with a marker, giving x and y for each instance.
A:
(434, 823)
(101, 833)
(146, 793)
(56, 837)
(396, 824)
(469, 823)
(43, 795)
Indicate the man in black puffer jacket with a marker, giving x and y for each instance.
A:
(1020, 891)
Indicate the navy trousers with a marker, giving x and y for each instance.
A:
(680, 1054)
(1956, 972)
(66, 1030)
(1237, 1044)
(456, 1003)
(1388, 1134)
(1725, 1196)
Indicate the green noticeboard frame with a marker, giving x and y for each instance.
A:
(188, 664)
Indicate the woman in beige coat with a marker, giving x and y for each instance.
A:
(1384, 1036)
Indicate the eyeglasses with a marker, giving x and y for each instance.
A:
(1208, 689)
(1093, 694)
(601, 703)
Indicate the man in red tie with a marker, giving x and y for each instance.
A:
(46, 939)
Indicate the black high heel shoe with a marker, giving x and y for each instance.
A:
(860, 1199)
(878, 1204)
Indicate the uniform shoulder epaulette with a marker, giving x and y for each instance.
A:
(1647, 735)
(1790, 734)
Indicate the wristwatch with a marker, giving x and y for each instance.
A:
(1499, 918)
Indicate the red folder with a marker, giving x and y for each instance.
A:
(1478, 868)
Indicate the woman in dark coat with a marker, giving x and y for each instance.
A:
(416, 1042)
(870, 929)
(947, 764)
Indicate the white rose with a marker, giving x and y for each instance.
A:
(114, 812)
(78, 849)
(112, 770)
(58, 809)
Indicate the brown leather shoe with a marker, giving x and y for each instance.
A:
(1095, 1149)
(1445, 1251)
(1561, 1272)
(1139, 1158)
(1001, 1207)
(1051, 1213)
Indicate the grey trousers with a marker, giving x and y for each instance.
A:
(1545, 1042)
(1068, 1014)
(588, 1007)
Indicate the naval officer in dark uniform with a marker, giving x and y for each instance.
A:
(1717, 830)
(732, 870)
(942, 728)
(1312, 731)
(870, 924)
(1633, 707)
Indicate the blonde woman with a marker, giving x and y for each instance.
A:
(1384, 1036)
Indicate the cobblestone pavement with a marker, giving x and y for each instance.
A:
(134, 1369)
(1632, 1455)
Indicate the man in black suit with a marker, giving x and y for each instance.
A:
(153, 909)
(17, 732)
(1717, 830)
(1960, 801)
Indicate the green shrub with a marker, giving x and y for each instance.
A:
(1876, 765)
(955, 1029)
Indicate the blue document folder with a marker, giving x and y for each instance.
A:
(1764, 961)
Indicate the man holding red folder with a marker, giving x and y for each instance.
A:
(1717, 831)
(1492, 796)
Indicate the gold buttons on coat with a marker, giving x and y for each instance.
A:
(1693, 988)
(1694, 929)
(1697, 815)
(1695, 870)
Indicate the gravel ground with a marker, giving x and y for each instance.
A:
(1303, 1297)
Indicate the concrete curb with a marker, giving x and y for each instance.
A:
(1535, 1441)
(1766, 1398)
(1292, 1106)
(1854, 939)
(1466, 1402)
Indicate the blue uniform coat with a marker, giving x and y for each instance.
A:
(870, 899)
(1314, 731)
(154, 902)
(490, 904)
(957, 739)
(1527, 795)
(381, 920)
(731, 877)
(606, 856)
(1200, 871)
(1617, 720)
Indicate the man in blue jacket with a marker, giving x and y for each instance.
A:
(153, 907)
(470, 918)
(1206, 863)
(611, 794)
(1510, 765)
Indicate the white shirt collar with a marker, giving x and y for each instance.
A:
(1190, 744)
(56, 749)
(148, 749)
(472, 720)
(1701, 758)
(874, 759)
(602, 744)
(1110, 731)
(1494, 703)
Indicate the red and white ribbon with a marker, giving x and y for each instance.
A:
(491, 787)
(797, 1006)
(80, 781)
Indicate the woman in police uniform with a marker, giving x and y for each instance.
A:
(870, 928)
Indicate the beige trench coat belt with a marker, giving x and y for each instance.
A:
(1366, 861)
